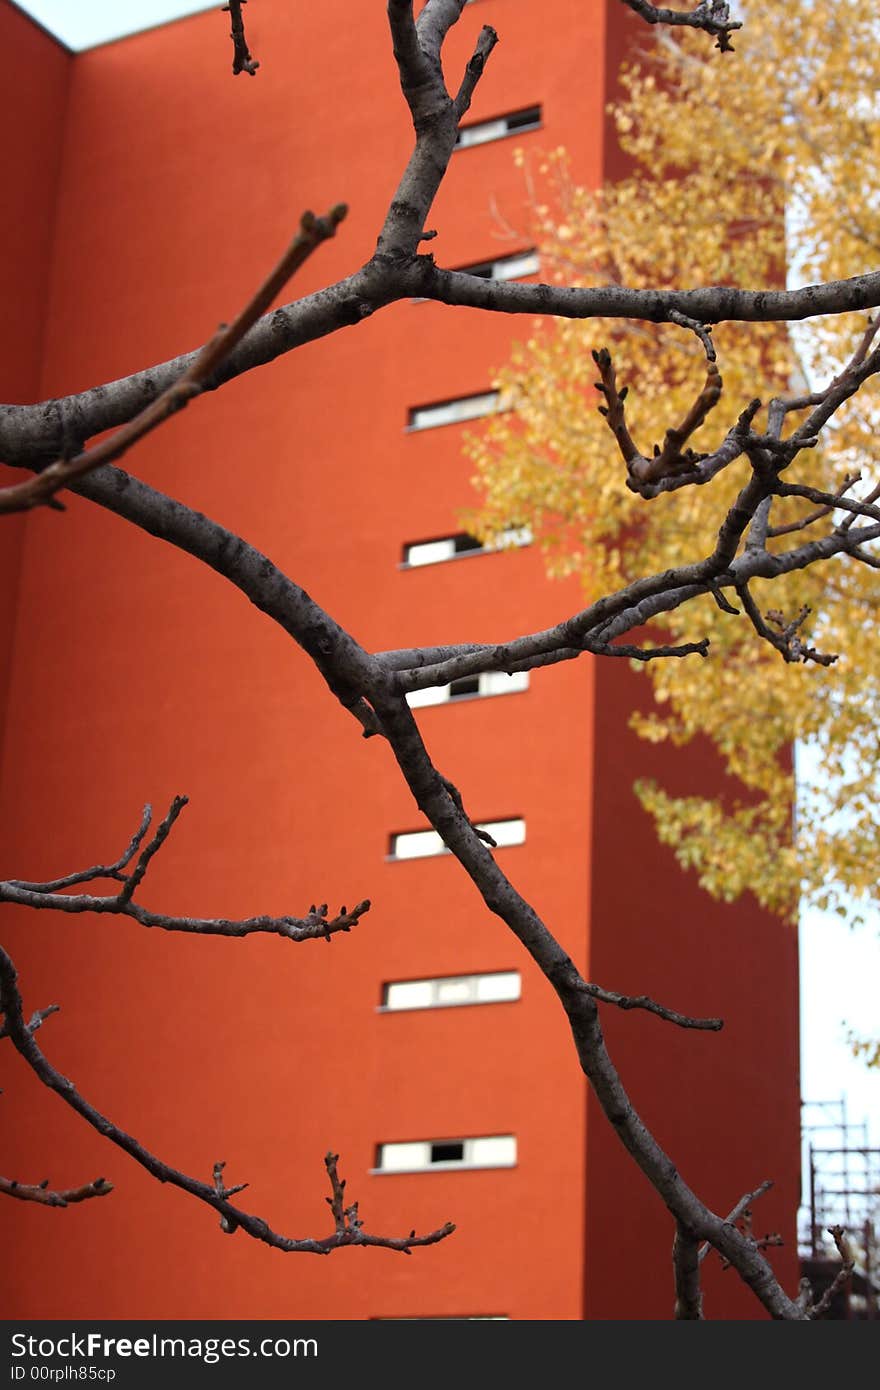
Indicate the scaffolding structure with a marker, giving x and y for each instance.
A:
(842, 1188)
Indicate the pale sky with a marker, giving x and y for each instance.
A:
(839, 968)
(84, 23)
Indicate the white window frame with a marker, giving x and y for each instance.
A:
(415, 1156)
(455, 411)
(519, 122)
(517, 265)
(416, 554)
(427, 844)
(489, 684)
(490, 987)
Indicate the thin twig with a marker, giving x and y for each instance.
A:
(641, 1001)
(98, 870)
(672, 462)
(700, 648)
(784, 636)
(43, 486)
(242, 60)
(832, 504)
(42, 1193)
(38, 1018)
(838, 1234)
(316, 925)
(745, 1203)
(686, 1273)
(214, 1194)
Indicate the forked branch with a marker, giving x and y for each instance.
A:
(41, 489)
(215, 1194)
(316, 925)
(672, 460)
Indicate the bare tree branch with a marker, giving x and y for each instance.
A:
(35, 434)
(671, 461)
(820, 1308)
(435, 20)
(98, 870)
(373, 688)
(215, 1194)
(830, 502)
(709, 304)
(38, 1018)
(641, 1001)
(745, 1204)
(252, 572)
(242, 60)
(686, 1272)
(700, 648)
(502, 899)
(474, 70)
(42, 488)
(418, 75)
(713, 16)
(316, 925)
(803, 524)
(435, 118)
(42, 1193)
(782, 635)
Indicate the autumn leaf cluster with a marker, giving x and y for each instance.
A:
(743, 168)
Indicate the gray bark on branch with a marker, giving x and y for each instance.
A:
(34, 435)
(316, 925)
(712, 16)
(373, 687)
(348, 1230)
(45, 1196)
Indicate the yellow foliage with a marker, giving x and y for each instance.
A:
(738, 165)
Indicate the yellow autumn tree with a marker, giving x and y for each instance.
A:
(740, 165)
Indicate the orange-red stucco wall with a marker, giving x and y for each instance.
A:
(179, 187)
(32, 103)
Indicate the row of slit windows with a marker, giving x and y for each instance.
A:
(494, 1150)
(475, 1151)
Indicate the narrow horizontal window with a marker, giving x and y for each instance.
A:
(506, 832)
(445, 548)
(514, 267)
(451, 547)
(449, 991)
(470, 687)
(487, 1151)
(424, 844)
(453, 412)
(514, 123)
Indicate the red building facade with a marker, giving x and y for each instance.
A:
(150, 193)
